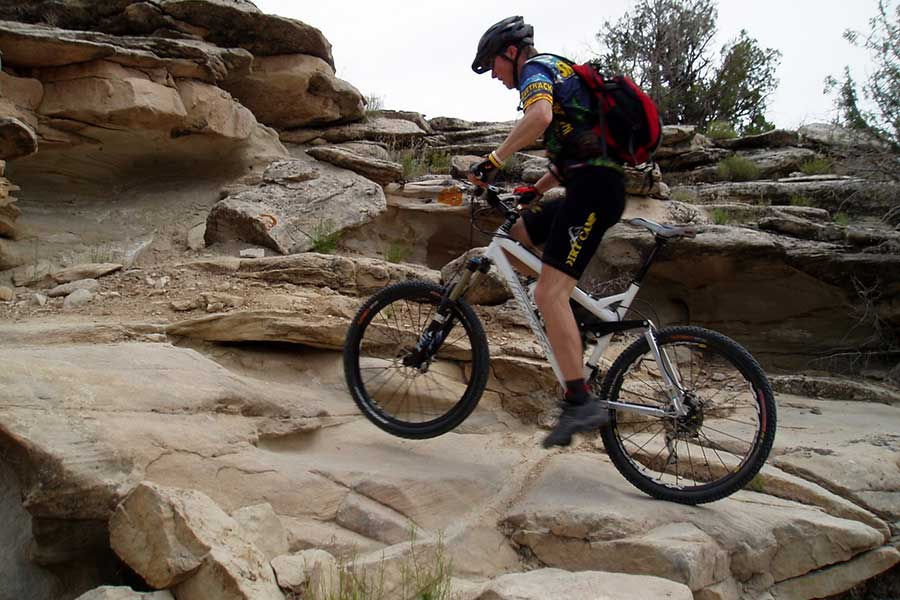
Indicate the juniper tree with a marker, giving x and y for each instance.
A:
(666, 47)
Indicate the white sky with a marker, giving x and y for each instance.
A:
(417, 55)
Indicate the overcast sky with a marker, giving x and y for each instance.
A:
(417, 55)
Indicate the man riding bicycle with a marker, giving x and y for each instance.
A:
(558, 106)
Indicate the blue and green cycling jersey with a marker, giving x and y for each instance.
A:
(570, 138)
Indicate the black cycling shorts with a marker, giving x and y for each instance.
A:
(571, 229)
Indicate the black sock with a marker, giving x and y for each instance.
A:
(577, 391)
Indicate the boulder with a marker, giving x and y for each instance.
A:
(263, 528)
(406, 115)
(109, 592)
(830, 135)
(9, 259)
(17, 139)
(460, 165)
(307, 573)
(226, 23)
(108, 94)
(490, 289)
(84, 271)
(748, 538)
(379, 171)
(858, 196)
(296, 206)
(77, 299)
(675, 134)
(296, 90)
(801, 228)
(67, 288)
(776, 138)
(6, 294)
(586, 585)
(399, 132)
(373, 520)
(41, 46)
(211, 110)
(772, 164)
(9, 213)
(180, 538)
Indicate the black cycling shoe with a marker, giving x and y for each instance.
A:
(577, 418)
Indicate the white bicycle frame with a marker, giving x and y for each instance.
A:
(609, 309)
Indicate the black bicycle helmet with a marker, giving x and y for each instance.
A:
(511, 31)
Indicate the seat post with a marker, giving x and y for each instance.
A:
(660, 242)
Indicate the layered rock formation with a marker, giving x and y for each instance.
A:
(174, 421)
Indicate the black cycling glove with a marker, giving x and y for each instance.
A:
(487, 170)
(527, 194)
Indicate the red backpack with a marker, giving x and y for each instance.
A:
(629, 125)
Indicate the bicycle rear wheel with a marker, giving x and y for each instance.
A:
(399, 388)
(723, 440)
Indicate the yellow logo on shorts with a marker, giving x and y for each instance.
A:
(578, 235)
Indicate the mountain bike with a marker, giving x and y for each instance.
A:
(692, 414)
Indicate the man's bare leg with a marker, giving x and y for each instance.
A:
(581, 412)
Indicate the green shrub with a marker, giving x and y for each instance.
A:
(421, 578)
(397, 252)
(757, 484)
(720, 130)
(414, 163)
(720, 216)
(817, 166)
(439, 162)
(513, 168)
(681, 195)
(842, 219)
(800, 201)
(324, 237)
(737, 168)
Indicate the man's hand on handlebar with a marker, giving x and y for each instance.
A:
(484, 173)
(527, 194)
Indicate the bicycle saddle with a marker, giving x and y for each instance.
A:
(664, 231)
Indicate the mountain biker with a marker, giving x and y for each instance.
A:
(558, 106)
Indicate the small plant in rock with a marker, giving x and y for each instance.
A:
(800, 201)
(842, 219)
(737, 168)
(397, 252)
(324, 237)
(513, 168)
(817, 166)
(424, 575)
(439, 162)
(681, 195)
(373, 103)
(414, 164)
(757, 484)
(720, 130)
(720, 216)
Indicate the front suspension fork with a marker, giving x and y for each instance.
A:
(440, 326)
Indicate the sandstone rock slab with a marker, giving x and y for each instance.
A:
(379, 171)
(381, 129)
(737, 538)
(211, 110)
(17, 139)
(586, 585)
(109, 592)
(263, 528)
(296, 90)
(296, 206)
(67, 288)
(84, 271)
(174, 537)
(310, 572)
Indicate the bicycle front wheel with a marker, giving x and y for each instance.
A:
(721, 442)
(399, 388)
